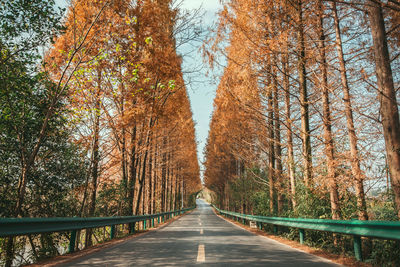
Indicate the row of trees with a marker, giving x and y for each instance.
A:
(306, 119)
(308, 96)
(101, 124)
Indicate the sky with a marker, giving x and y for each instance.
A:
(202, 91)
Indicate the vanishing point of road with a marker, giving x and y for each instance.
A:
(200, 238)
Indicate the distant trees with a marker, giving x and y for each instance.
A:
(99, 126)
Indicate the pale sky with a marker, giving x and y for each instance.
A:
(207, 4)
(202, 92)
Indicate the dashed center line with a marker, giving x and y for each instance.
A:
(201, 231)
(201, 255)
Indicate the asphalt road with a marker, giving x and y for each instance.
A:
(200, 238)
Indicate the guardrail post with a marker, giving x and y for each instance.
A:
(112, 232)
(72, 241)
(132, 227)
(301, 233)
(144, 225)
(275, 229)
(152, 223)
(357, 247)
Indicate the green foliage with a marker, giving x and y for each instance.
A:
(26, 26)
(311, 205)
(192, 200)
(149, 40)
(54, 182)
(384, 253)
(59, 169)
(110, 199)
(261, 202)
(240, 191)
(382, 207)
(24, 101)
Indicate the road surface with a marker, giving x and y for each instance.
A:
(200, 238)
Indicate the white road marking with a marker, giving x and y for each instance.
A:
(201, 255)
(199, 223)
(201, 231)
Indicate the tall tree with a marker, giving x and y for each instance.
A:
(387, 97)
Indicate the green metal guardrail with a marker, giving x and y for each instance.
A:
(376, 229)
(26, 226)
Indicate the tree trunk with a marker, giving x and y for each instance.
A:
(144, 186)
(143, 172)
(182, 185)
(355, 160)
(173, 177)
(289, 134)
(387, 97)
(176, 191)
(95, 161)
(164, 176)
(271, 154)
(132, 172)
(304, 109)
(150, 179)
(170, 182)
(137, 186)
(144, 162)
(327, 120)
(157, 194)
(124, 161)
(278, 148)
